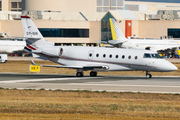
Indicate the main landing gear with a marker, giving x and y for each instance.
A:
(148, 75)
(93, 74)
(81, 74)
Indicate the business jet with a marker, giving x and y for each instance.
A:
(92, 59)
(10, 46)
(157, 45)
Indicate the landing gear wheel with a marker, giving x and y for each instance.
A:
(79, 74)
(148, 75)
(93, 74)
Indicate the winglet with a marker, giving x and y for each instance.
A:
(32, 62)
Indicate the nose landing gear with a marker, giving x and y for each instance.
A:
(148, 75)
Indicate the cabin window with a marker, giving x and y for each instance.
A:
(90, 55)
(135, 57)
(104, 55)
(156, 56)
(129, 57)
(147, 55)
(110, 56)
(123, 57)
(117, 56)
(97, 55)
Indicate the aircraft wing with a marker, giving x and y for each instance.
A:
(59, 66)
(164, 48)
(79, 67)
(91, 67)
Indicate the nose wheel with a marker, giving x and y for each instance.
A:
(148, 75)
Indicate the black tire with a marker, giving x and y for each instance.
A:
(79, 74)
(149, 76)
(93, 74)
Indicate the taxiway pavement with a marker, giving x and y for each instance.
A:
(100, 83)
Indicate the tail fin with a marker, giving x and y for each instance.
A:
(115, 30)
(34, 37)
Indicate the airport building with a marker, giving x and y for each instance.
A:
(86, 22)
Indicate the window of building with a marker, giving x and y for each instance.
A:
(0, 5)
(99, 2)
(173, 33)
(106, 2)
(106, 5)
(120, 2)
(13, 4)
(57, 32)
(16, 6)
(164, 1)
(113, 2)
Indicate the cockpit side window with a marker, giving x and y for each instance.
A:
(146, 55)
(156, 56)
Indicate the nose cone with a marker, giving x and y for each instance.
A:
(172, 67)
(167, 66)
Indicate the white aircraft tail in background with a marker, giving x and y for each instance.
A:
(10, 46)
(157, 45)
(92, 59)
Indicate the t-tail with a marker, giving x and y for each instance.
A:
(34, 39)
(117, 35)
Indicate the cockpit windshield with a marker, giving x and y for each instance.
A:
(156, 56)
(147, 55)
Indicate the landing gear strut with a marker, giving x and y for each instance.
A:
(148, 75)
(93, 74)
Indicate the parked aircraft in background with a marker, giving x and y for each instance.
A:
(157, 45)
(92, 59)
(10, 46)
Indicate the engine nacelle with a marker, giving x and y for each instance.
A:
(52, 51)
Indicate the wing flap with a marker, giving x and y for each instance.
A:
(59, 66)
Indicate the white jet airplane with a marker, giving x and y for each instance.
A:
(10, 46)
(157, 45)
(92, 59)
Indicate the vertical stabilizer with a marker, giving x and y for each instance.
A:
(115, 30)
(34, 37)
